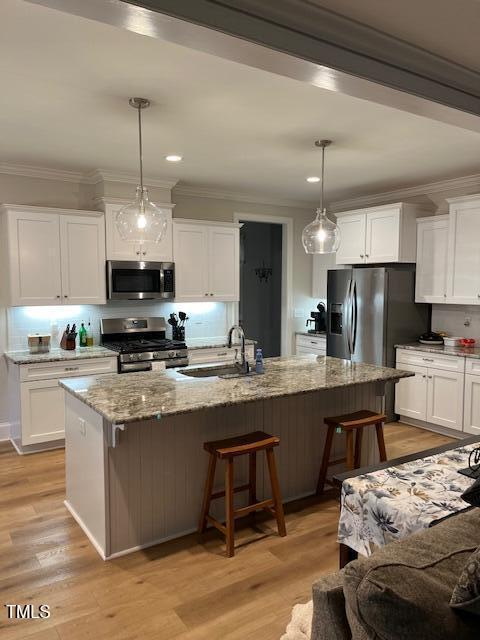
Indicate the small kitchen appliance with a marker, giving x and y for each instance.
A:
(128, 280)
(318, 319)
(39, 343)
(141, 342)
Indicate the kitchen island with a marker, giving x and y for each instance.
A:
(135, 464)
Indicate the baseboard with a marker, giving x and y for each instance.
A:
(24, 450)
(85, 529)
(436, 428)
(4, 431)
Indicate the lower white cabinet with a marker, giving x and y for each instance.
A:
(435, 394)
(471, 417)
(37, 401)
(314, 344)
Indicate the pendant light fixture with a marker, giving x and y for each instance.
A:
(322, 235)
(141, 221)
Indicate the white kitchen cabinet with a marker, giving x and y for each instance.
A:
(411, 393)
(434, 396)
(445, 398)
(207, 262)
(352, 228)
(53, 256)
(82, 239)
(37, 402)
(432, 250)
(463, 256)
(378, 235)
(471, 413)
(311, 344)
(118, 249)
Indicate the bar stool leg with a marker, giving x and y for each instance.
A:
(350, 453)
(252, 480)
(229, 515)
(358, 449)
(207, 494)
(381, 441)
(277, 499)
(325, 459)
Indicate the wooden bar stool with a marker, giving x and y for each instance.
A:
(351, 423)
(251, 444)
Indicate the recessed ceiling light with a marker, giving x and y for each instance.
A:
(313, 179)
(173, 158)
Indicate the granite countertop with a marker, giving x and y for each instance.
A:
(146, 395)
(56, 355)
(309, 334)
(216, 344)
(465, 352)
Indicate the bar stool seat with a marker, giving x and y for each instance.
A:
(352, 424)
(229, 449)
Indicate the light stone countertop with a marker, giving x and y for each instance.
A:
(139, 396)
(216, 344)
(317, 334)
(464, 352)
(57, 355)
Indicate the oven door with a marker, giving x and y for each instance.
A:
(140, 280)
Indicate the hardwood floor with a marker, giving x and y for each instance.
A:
(185, 589)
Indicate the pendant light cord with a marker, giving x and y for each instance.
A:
(140, 146)
(323, 178)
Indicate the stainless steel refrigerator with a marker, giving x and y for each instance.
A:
(370, 309)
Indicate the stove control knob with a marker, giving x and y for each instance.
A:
(157, 355)
(171, 354)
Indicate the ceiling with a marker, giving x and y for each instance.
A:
(64, 104)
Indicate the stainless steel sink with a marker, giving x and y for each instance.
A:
(225, 371)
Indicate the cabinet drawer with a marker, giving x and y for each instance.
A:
(67, 368)
(472, 366)
(314, 342)
(431, 360)
(310, 351)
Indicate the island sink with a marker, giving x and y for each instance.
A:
(226, 371)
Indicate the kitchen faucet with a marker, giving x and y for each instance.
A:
(241, 333)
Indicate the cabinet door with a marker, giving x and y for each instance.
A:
(163, 250)
(190, 254)
(352, 239)
(34, 258)
(432, 249)
(383, 236)
(224, 264)
(445, 398)
(42, 411)
(83, 259)
(463, 270)
(471, 418)
(411, 393)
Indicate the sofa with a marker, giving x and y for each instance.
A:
(402, 591)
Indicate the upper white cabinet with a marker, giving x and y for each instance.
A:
(53, 256)
(463, 261)
(207, 262)
(118, 249)
(378, 234)
(432, 249)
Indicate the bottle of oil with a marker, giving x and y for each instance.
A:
(82, 336)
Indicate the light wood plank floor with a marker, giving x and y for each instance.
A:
(184, 589)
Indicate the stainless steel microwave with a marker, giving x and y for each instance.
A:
(140, 280)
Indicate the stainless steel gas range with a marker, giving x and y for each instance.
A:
(140, 342)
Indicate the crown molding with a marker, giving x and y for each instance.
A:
(238, 196)
(44, 173)
(398, 195)
(105, 175)
(102, 201)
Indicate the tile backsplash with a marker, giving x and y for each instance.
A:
(207, 320)
(457, 320)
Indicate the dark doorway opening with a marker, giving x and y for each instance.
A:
(260, 309)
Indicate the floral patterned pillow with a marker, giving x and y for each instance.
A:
(466, 594)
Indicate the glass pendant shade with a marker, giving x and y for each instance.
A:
(141, 221)
(322, 235)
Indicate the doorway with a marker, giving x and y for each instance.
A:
(260, 307)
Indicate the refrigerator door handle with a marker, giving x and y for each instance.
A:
(353, 338)
(348, 318)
